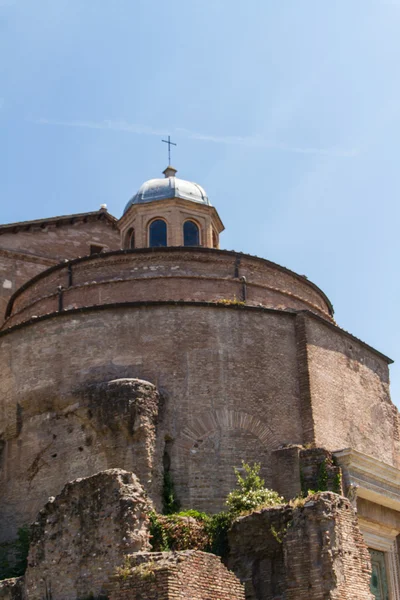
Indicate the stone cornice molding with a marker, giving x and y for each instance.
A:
(377, 481)
(37, 224)
(28, 257)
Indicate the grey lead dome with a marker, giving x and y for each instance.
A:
(170, 187)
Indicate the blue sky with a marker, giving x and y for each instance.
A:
(287, 112)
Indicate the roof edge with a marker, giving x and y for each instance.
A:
(169, 249)
(102, 213)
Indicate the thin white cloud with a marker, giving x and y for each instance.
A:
(251, 140)
(106, 124)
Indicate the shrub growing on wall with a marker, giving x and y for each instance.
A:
(251, 492)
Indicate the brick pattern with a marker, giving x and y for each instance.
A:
(60, 241)
(319, 472)
(304, 380)
(82, 535)
(228, 377)
(298, 470)
(325, 552)
(29, 251)
(174, 211)
(312, 552)
(188, 575)
(12, 589)
(349, 386)
(167, 274)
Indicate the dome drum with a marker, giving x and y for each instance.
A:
(173, 203)
(163, 274)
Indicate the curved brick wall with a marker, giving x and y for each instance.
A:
(228, 378)
(192, 274)
(236, 383)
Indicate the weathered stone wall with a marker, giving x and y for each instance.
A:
(81, 536)
(233, 391)
(15, 269)
(174, 211)
(60, 241)
(169, 274)
(228, 376)
(28, 252)
(298, 470)
(325, 552)
(313, 552)
(188, 575)
(349, 390)
(12, 589)
(60, 437)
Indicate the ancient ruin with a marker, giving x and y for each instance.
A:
(137, 353)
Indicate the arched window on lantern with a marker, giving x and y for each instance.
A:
(214, 239)
(130, 239)
(191, 234)
(157, 233)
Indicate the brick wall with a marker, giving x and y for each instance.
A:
(349, 390)
(15, 269)
(174, 211)
(12, 589)
(82, 535)
(29, 251)
(60, 241)
(228, 377)
(188, 575)
(312, 552)
(298, 470)
(169, 274)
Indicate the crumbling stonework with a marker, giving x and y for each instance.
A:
(312, 552)
(128, 412)
(188, 575)
(299, 470)
(84, 534)
(28, 248)
(12, 589)
(106, 425)
(318, 471)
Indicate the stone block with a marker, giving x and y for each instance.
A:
(84, 534)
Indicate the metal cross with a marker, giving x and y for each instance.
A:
(168, 141)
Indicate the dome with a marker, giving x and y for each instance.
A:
(169, 187)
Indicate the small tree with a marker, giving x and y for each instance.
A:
(251, 491)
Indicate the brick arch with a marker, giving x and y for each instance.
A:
(208, 423)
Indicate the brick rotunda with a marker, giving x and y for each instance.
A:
(228, 356)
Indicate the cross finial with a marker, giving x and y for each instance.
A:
(168, 141)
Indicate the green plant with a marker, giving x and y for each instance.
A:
(217, 529)
(229, 302)
(195, 514)
(337, 483)
(278, 535)
(146, 571)
(191, 529)
(158, 535)
(14, 555)
(170, 502)
(251, 492)
(322, 477)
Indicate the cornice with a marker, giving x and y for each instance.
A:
(167, 203)
(28, 257)
(101, 214)
(376, 481)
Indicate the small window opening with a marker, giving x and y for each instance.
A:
(214, 239)
(191, 234)
(94, 249)
(158, 233)
(132, 239)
